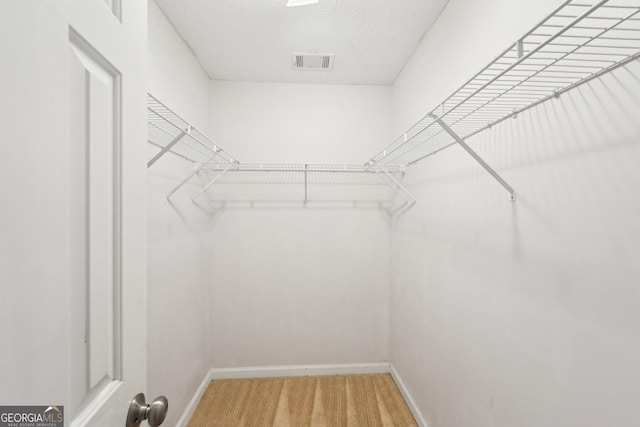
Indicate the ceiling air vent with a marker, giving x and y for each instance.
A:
(310, 61)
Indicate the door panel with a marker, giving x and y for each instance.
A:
(73, 220)
(94, 130)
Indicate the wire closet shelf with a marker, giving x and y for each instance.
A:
(313, 185)
(579, 41)
(169, 132)
(224, 181)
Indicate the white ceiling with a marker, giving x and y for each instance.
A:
(253, 39)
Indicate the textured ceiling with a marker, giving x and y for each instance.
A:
(253, 39)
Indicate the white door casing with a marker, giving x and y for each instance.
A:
(73, 209)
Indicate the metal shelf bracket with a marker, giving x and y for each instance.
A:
(168, 147)
(400, 190)
(476, 157)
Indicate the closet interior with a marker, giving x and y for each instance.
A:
(435, 195)
(450, 255)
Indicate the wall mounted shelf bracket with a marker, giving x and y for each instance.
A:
(476, 157)
(168, 147)
(197, 168)
(399, 190)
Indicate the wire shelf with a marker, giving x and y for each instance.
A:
(579, 41)
(353, 185)
(171, 133)
(226, 180)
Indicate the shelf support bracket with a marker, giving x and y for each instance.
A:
(306, 190)
(210, 183)
(400, 190)
(191, 175)
(476, 157)
(167, 148)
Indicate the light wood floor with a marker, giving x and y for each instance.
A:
(327, 401)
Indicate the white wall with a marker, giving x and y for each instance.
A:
(300, 123)
(179, 242)
(526, 313)
(299, 286)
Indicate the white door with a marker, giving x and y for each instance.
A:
(72, 206)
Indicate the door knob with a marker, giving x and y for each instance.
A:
(154, 413)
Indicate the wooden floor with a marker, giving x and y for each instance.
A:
(327, 401)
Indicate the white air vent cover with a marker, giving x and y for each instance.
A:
(312, 61)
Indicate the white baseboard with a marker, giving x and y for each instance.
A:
(407, 397)
(195, 400)
(299, 370)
